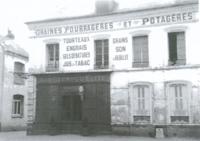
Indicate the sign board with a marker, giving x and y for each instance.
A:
(178, 17)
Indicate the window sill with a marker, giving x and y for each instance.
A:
(100, 67)
(52, 69)
(17, 116)
(19, 84)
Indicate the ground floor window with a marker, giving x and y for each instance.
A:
(178, 98)
(18, 106)
(141, 102)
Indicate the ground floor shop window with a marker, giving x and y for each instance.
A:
(141, 102)
(18, 106)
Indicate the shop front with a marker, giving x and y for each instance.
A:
(72, 103)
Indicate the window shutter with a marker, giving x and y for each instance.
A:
(135, 100)
(51, 52)
(140, 51)
(178, 100)
(19, 68)
(57, 52)
(172, 47)
(98, 50)
(145, 51)
(172, 101)
(106, 53)
(136, 50)
(185, 97)
(181, 55)
(147, 99)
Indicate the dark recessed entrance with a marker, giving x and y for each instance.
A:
(71, 107)
(72, 103)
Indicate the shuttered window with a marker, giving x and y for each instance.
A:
(141, 103)
(177, 54)
(53, 57)
(19, 69)
(140, 51)
(178, 102)
(102, 54)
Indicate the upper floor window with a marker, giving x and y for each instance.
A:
(176, 42)
(18, 105)
(52, 57)
(102, 54)
(140, 51)
(19, 69)
(178, 101)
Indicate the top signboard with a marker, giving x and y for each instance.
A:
(179, 17)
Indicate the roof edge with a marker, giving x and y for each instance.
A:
(112, 13)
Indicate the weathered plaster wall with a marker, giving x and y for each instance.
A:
(120, 96)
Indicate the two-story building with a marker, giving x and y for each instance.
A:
(125, 71)
(13, 86)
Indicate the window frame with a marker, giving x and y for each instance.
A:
(178, 61)
(142, 62)
(134, 111)
(103, 54)
(188, 97)
(18, 106)
(18, 79)
(53, 65)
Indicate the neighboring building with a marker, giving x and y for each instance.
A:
(13, 85)
(132, 72)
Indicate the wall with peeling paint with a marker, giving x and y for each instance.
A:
(120, 94)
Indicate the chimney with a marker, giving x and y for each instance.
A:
(105, 6)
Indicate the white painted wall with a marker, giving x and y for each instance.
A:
(157, 36)
(10, 89)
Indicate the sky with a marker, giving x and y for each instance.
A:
(14, 13)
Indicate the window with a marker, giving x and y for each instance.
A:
(177, 54)
(178, 101)
(102, 54)
(140, 51)
(141, 103)
(19, 70)
(18, 106)
(53, 57)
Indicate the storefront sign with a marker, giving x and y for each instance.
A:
(115, 25)
(76, 52)
(171, 18)
(120, 49)
(103, 77)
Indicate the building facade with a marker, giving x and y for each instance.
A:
(132, 72)
(13, 86)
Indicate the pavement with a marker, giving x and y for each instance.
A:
(21, 136)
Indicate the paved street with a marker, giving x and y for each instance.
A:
(21, 136)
